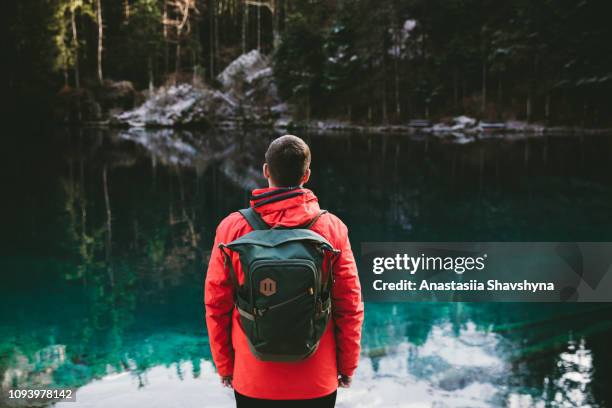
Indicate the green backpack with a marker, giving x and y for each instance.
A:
(284, 303)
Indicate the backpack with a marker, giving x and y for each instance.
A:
(284, 303)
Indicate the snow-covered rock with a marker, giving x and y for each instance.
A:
(463, 122)
(519, 126)
(441, 128)
(457, 124)
(180, 105)
(245, 66)
(249, 79)
(248, 91)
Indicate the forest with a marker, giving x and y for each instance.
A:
(365, 61)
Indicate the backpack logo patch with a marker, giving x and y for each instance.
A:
(267, 287)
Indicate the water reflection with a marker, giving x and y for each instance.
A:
(104, 251)
(236, 154)
(571, 383)
(178, 384)
(568, 386)
(449, 370)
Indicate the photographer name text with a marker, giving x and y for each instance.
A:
(456, 264)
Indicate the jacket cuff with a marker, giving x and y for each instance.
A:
(225, 370)
(348, 373)
(225, 373)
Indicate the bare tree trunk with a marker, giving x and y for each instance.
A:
(151, 78)
(165, 32)
(166, 48)
(547, 107)
(100, 37)
(463, 93)
(276, 24)
(180, 22)
(126, 11)
(385, 118)
(455, 88)
(397, 95)
(528, 106)
(177, 63)
(211, 36)
(194, 60)
(75, 45)
(500, 95)
(258, 28)
(396, 70)
(216, 25)
(283, 8)
(408, 104)
(384, 91)
(245, 26)
(484, 87)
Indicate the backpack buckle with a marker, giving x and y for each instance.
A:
(322, 307)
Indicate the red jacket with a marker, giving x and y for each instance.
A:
(339, 349)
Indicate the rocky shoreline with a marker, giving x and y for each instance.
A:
(246, 96)
(479, 129)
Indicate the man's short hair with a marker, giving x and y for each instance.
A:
(288, 158)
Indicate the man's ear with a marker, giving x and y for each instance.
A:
(306, 177)
(266, 171)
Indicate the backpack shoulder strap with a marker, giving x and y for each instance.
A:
(254, 219)
(314, 220)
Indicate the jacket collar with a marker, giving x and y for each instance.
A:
(285, 206)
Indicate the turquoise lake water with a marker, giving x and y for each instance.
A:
(106, 235)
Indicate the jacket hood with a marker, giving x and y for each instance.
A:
(288, 207)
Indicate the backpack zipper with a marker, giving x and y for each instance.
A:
(309, 292)
(288, 262)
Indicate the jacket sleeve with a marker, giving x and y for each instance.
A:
(219, 303)
(347, 306)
